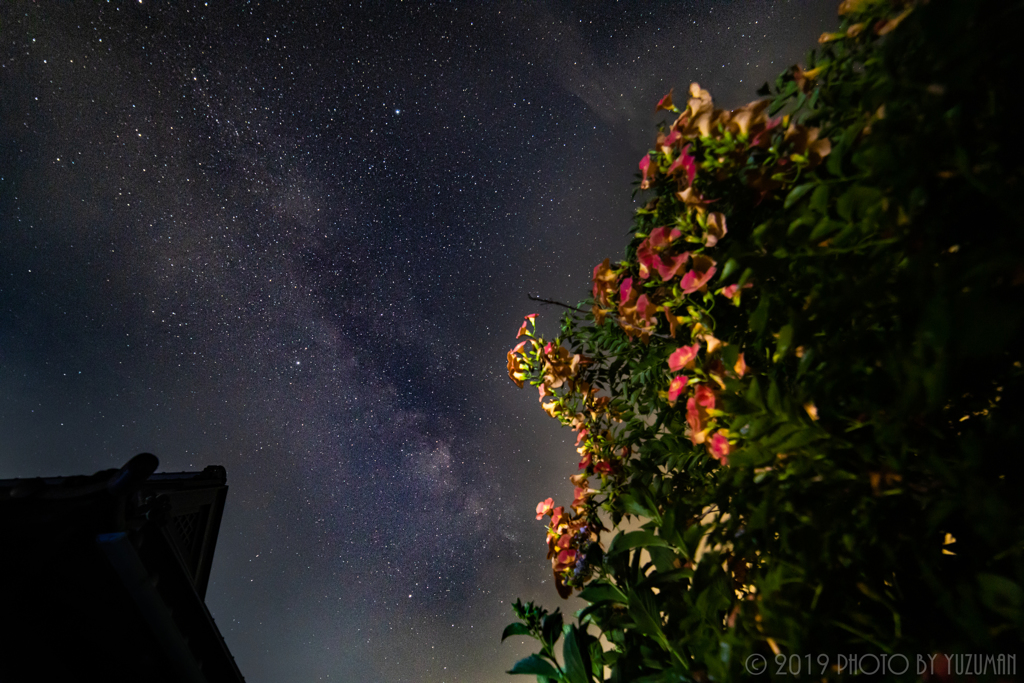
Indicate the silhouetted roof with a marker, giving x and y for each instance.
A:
(105, 576)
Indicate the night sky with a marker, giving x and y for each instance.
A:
(296, 240)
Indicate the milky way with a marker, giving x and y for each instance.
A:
(297, 242)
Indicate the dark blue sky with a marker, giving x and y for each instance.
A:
(297, 241)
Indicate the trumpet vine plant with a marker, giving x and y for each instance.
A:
(802, 384)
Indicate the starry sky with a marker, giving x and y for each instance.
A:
(296, 240)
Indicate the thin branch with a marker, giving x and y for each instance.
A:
(549, 301)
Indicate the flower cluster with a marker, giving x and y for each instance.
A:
(571, 537)
(660, 295)
(554, 370)
(664, 290)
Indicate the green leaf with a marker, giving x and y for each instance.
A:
(515, 629)
(780, 435)
(825, 226)
(635, 539)
(661, 677)
(534, 665)
(745, 277)
(857, 201)
(759, 318)
(730, 267)
(835, 159)
(782, 98)
(597, 592)
(782, 343)
(775, 398)
(754, 427)
(802, 438)
(661, 578)
(645, 614)
(576, 670)
(753, 394)
(730, 354)
(819, 200)
(797, 192)
(635, 507)
(806, 219)
(552, 627)
(1001, 595)
(759, 232)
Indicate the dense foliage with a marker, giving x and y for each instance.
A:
(803, 383)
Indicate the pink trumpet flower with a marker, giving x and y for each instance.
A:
(676, 387)
(699, 276)
(645, 165)
(720, 448)
(683, 357)
(685, 162)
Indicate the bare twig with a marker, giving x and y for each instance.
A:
(549, 301)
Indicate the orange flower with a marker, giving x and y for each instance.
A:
(650, 255)
(586, 459)
(582, 494)
(685, 162)
(552, 409)
(559, 365)
(806, 143)
(703, 270)
(516, 367)
(803, 78)
(645, 309)
(695, 418)
(762, 132)
(885, 27)
(604, 281)
(704, 396)
(851, 6)
(741, 366)
(666, 103)
(733, 291)
(715, 229)
(673, 322)
(750, 118)
(545, 507)
(632, 321)
(692, 200)
(665, 142)
(700, 109)
(558, 517)
(529, 319)
(566, 558)
(713, 342)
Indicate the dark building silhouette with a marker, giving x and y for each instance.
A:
(103, 577)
